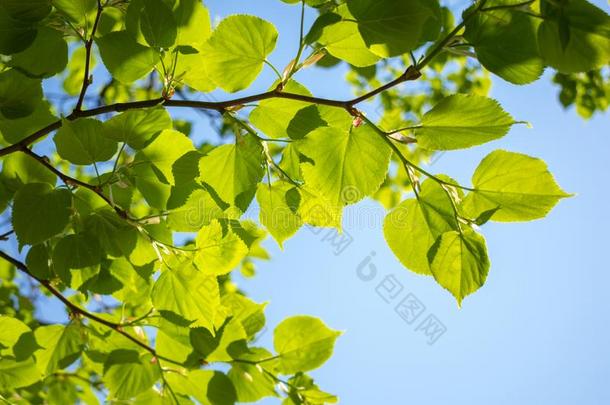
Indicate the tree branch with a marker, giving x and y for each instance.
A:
(74, 181)
(117, 327)
(88, 45)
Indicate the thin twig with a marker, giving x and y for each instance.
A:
(117, 327)
(88, 46)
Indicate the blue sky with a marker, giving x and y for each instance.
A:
(536, 333)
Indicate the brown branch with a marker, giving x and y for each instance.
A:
(410, 74)
(117, 327)
(69, 180)
(87, 79)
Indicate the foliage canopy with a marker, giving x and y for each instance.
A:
(100, 194)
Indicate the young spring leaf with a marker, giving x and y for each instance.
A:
(359, 157)
(137, 127)
(303, 343)
(16, 374)
(187, 292)
(40, 212)
(161, 154)
(338, 33)
(19, 95)
(459, 262)
(520, 187)
(277, 213)
(82, 142)
(62, 346)
(218, 250)
(461, 121)
(128, 373)
(158, 24)
(574, 36)
(124, 58)
(209, 387)
(47, 56)
(506, 43)
(233, 169)
(392, 28)
(414, 225)
(236, 51)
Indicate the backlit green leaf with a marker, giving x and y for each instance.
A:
(187, 292)
(459, 262)
(587, 43)
(126, 60)
(358, 157)
(237, 49)
(520, 187)
(303, 343)
(137, 127)
(40, 212)
(461, 121)
(83, 142)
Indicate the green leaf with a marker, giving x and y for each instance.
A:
(14, 130)
(158, 24)
(193, 20)
(17, 374)
(359, 159)
(73, 81)
(40, 212)
(46, 57)
(31, 10)
(198, 210)
(303, 343)
(11, 330)
(414, 225)
(80, 12)
(83, 142)
(218, 250)
(339, 35)
(162, 153)
(63, 345)
(237, 49)
(233, 169)
(189, 293)
(19, 95)
(38, 262)
(250, 314)
(461, 121)
(392, 28)
(252, 383)
(19, 169)
(128, 373)
(277, 213)
(124, 58)
(506, 43)
(520, 187)
(206, 386)
(15, 35)
(78, 251)
(280, 118)
(304, 390)
(574, 36)
(459, 262)
(137, 127)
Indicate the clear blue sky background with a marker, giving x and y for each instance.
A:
(536, 333)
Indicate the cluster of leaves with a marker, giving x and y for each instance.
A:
(122, 218)
(589, 92)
